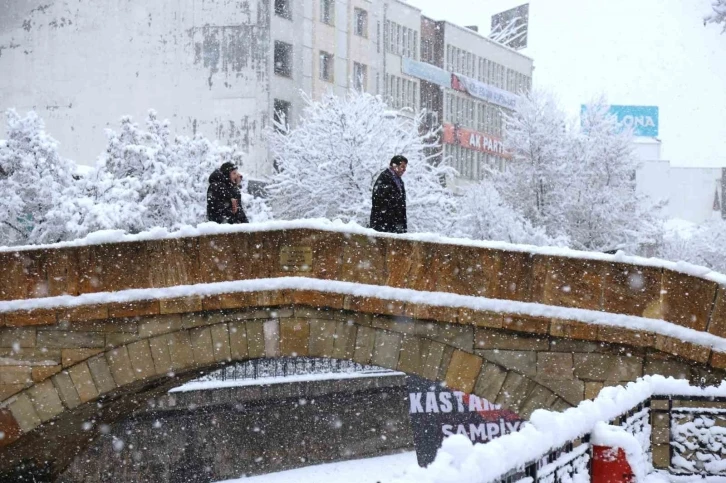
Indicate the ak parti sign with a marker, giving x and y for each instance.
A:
(468, 138)
(437, 412)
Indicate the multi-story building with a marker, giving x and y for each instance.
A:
(228, 69)
(468, 83)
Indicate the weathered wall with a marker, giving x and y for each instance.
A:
(227, 433)
(204, 64)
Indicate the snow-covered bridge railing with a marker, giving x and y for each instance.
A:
(661, 424)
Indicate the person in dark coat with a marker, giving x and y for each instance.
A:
(224, 198)
(388, 212)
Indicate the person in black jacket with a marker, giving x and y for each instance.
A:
(224, 198)
(388, 212)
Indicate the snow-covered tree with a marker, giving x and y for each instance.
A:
(535, 179)
(484, 215)
(718, 16)
(32, 179)
(605, 212)
(704, 245)
(147, 179)
(330, 161)
(578, 183)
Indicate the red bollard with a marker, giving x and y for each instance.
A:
(610, 465)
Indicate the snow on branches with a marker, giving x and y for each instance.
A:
(32, 179)
(718, 16)
(575, 183)
(329, 163)
(145, 179)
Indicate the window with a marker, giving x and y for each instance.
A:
(327, 11)
(281, 114)
(360, 77)
(326, 66)
(361, 23)
(282, 9)
(283, 59)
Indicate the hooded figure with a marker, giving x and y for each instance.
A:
(388, 209)
(224, 198)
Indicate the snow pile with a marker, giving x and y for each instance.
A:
(460, 461)
(615, 437)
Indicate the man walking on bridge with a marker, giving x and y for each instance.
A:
(388, 211)
(224, 198)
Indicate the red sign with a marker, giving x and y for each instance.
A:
(475, 140)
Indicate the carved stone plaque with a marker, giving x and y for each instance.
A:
(296, 259)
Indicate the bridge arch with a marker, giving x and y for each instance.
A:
(522, 367)
(95, 328)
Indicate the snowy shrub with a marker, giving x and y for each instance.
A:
(330, 161)
(718, 16)
(576, 182)
(146, 179)
(32, 179)
(705, 245)
(484, 215)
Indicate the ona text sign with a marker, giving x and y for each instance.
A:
(296, 259)
(437, 412)
(642, 119)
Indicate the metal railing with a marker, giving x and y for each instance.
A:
(563, 464)
(290, 366)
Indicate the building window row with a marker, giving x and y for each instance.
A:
(471, 164)
(460, 61)
(327, 12)
(478, 115)
(401, 40)
(485, 70)
(360, 22)
(281, 113)
(327, 67)
(360, 77)
(517, 82)
(283, 9)
(402, 93)
(283, 59)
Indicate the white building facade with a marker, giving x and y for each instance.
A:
(225, 69)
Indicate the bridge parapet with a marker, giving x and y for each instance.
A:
(552, 277)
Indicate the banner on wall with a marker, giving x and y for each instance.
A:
(643, 119)
(483, 91)
(437, 412)
(470, 139)
(427, 72)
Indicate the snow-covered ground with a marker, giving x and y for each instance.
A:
(381, 469)
(202, 385)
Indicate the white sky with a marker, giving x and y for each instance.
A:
(643, 52)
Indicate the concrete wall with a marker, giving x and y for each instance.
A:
(689, 192)
(202, 64)
(227, 433)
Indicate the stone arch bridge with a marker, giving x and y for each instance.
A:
(89, 332)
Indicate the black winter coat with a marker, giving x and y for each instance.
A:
(388, 212)
(220, 194)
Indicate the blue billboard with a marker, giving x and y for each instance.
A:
(643, 119)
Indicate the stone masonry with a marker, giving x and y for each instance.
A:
(60, 367)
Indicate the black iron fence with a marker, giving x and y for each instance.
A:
(291, 366)
(565, 464)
